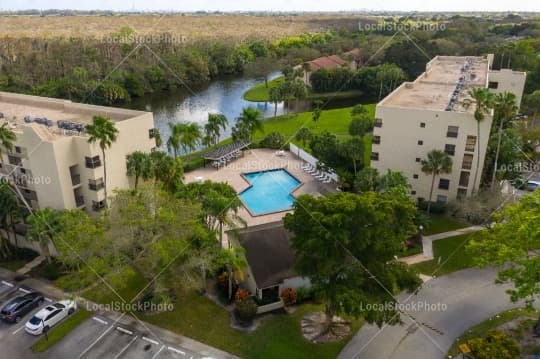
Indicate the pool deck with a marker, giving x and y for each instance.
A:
(260, 160)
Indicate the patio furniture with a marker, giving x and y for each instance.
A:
(222, 155)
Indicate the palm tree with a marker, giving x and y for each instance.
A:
(158, 138)
(173, 143)
(275, 97)
(103, 132)
(166, 169)
(437, 162)
(235, 263)
(303, 135)
(251, 118)
(9, 212)
(354, 150)
(44, 224)
(138, 166)
(505, 110)
(7, 139)
(217, 122)
(483, 100)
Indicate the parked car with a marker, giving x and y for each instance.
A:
(536, 329)
(18, 307)
(532, 185)
(49, 316)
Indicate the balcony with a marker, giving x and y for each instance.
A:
(14, 160)
(96, 185)
(98, 205)
(93, 162)
(79, 201)
(75, 180)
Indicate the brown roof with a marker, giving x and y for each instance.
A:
(326, 62)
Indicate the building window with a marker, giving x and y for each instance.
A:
(374, 156)
(14, 160)
(93, 162)
(378, 122)
(444, 183)
(441, 198)
(450, 150)
(152, 133)
(413, 193)
(452, 131)
(464, 178)
(470, 144)
(420, 142)
(98, 205)
(422, 124)
(96, 185)
(415, 176)
(376, 140)
(467, 161)
(418, 159)
(461, 193)
(493, 85)
(18, 149)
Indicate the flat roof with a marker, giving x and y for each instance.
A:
(443, 86)
(44, 113)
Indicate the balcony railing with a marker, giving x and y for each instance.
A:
(79, 201)
(75, 180)
(96, 185)
(94, 162)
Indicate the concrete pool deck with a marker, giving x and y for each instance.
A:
(260, 160)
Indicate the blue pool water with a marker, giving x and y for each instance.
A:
(270, 191)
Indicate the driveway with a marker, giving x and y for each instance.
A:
(457, 301)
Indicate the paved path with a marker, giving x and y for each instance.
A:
(469, 297)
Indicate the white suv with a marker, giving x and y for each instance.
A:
(49, 316)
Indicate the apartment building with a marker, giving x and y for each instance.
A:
(428, 114)
(53, 163)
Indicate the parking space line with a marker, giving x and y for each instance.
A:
(125, 331)
(125, 348)
(159, 351)
(150, 340)
(99, 320)
(177, 351)
(18, 330)
(7, 283)
(24, 290)
(95, 341)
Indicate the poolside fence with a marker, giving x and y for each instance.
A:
(303, 155)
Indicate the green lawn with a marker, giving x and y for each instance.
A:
(483, 328)
(444, 248)
(127, 290)
(441, 224)
(61, 330)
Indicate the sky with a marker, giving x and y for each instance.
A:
(276, 5)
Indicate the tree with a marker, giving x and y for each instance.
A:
(250, 120)
(303, 135)
(9, 212)
(7, 139)
(166, 169)
(367, 179)
(513, 243)
(275, 96)
(316, 114)
(191, 135)
(43, 226)
(261, 67)
(495, 345)
(174, 141)
(139, 166)
(103, 132)
(217, 122)
(360, 126)
(505, 111)
(158, 138)
(234, 260)
(482, 99)
(345, 243)
(354, 150)
(436, 163)
(531, 103)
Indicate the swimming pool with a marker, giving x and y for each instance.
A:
(270, 191)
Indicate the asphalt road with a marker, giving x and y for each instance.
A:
(458, 301)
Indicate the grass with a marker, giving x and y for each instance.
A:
(443, 249)
(58, 332)
(127, 290)
(441, 224)
(483, 328)
(13, 265)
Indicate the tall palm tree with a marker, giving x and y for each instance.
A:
(217, 122)
(505, 110)
(158, 138)
(436, 163)
(166, 169)
(9, 212)
(173, 143)
(235, 263)
(7, 139)
(138, 166)
(482, 99)
(251, 118)
(44, 224)
(191, 136)
(103, 132)
(275, 96)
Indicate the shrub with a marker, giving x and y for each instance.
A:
(241, 295)
(289, 296)
(246, 309)
(436, 207)
(303, 294)
(495, 345)
(273, 140)
(51, 271)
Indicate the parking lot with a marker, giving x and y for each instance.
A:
(97, 338)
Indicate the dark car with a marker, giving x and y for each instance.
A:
(18, 307)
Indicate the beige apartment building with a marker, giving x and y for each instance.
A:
(53, 163)
(428, 114)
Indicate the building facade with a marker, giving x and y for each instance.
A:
(428, 114)
(53, 164)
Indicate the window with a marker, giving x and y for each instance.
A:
(450, 150)
(378, 122)
(152, 133)
(93, 162)
(53, 314)
(444, 183)
(96, 185)
(467, 161)
(376, 140)
(422, 124)
(374, 156)
(461, 193)
(97, 205)
(415, 176)
(464, 178)
(452, 131)
(420, 142)
(413, 193)
(418, 159)
(18, 149)
(493, 84)
(441, 199)
(470, 144)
